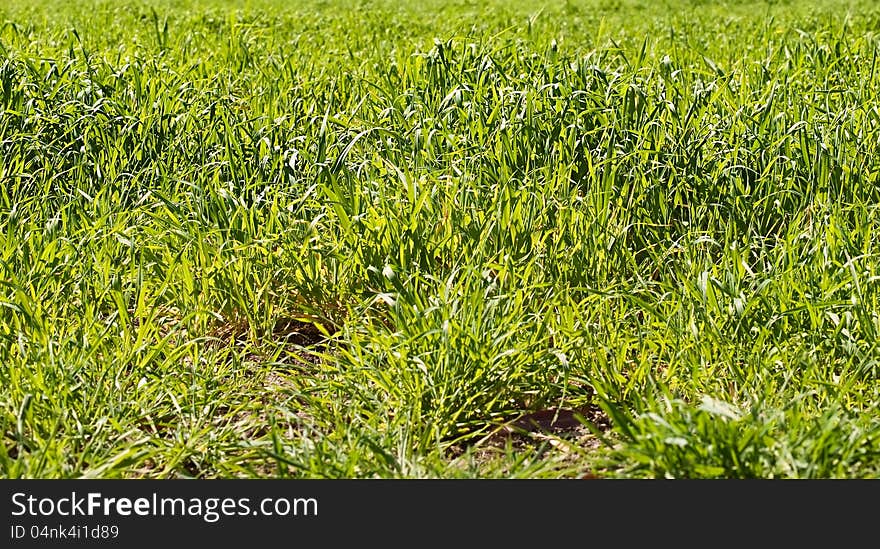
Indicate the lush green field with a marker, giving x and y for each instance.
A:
(352, 238)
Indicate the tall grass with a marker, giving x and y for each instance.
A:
(358, 238)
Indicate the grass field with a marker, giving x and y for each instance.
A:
(366, 238)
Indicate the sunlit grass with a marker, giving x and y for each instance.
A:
(356, 239)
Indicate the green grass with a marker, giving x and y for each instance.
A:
(355, 238)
